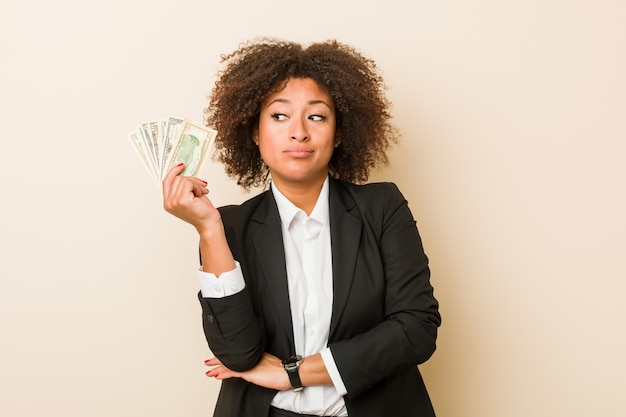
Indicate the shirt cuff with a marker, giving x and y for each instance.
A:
(228, 283)
(331, 367)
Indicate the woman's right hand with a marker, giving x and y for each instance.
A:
(185, 198)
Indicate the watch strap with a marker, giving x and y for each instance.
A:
(294, 379)
(292, 365)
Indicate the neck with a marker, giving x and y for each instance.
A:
(302, 196)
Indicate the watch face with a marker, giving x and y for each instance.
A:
(291, 361)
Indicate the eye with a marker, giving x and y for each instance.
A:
(279, 116)
(316, 117)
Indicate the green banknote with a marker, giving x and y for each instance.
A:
(164, 143)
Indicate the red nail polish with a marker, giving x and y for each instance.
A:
(204, 182)
(181, 164)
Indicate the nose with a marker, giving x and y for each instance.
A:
(298, 130)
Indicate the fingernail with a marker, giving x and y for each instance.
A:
(181, 164)
(204, 182)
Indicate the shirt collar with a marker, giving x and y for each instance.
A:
(288, 211)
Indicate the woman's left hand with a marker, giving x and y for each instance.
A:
(268, 373)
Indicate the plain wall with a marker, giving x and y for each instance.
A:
(512, 160)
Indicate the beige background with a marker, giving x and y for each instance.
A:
(513, 116)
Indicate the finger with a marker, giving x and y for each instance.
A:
(176, 170)
(221, 373)
(212, 362)
(199, 191)
(182, 185)
(199, 186)
(196, 180)
(213, 373)
(216, 371)
(176, 192)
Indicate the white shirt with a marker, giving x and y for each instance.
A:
(309, 273)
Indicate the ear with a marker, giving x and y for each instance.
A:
(337, 139)
(255, 136)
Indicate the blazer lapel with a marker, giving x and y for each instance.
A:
(345, 235)
(267, 238)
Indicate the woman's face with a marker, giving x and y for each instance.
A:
(296, 135)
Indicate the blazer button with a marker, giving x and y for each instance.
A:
(210, 318)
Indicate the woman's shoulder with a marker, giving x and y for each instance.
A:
(373, 191)
(373, 201)
(370, 186)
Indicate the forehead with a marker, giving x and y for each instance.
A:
(300, 89)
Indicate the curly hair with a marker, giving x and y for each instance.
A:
(260, 67)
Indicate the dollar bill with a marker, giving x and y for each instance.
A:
(170, 134)
(192, 143)
(166, 142)
(142, 151)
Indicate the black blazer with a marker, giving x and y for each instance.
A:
(384, 315)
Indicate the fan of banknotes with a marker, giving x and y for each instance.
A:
(164, 143)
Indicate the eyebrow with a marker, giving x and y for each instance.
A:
(310, 102)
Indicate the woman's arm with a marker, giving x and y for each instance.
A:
(269, 372)
(186, 198)
(391, 327)
(229, 323)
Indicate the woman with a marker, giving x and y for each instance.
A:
(315, 294)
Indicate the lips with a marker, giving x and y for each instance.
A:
(299, 152)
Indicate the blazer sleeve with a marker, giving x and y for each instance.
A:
(232, 331)
(404, 333)
(232, 328)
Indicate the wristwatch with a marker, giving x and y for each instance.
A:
(291, 365)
